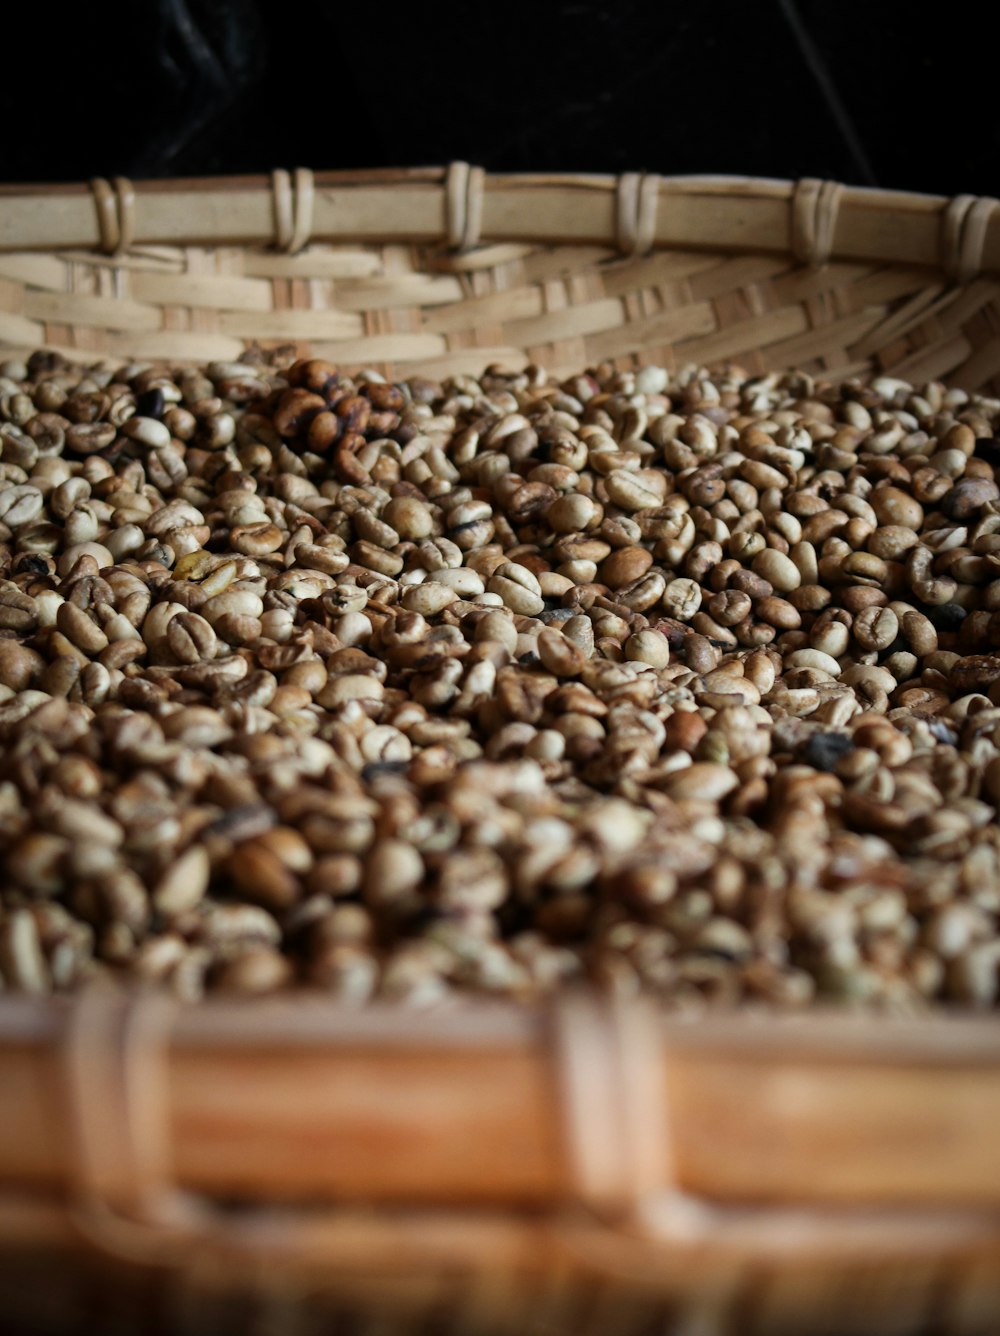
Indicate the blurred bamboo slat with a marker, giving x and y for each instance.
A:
(276, 1102)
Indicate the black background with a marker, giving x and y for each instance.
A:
(869, 93)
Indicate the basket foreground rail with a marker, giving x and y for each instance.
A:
(492, 1104)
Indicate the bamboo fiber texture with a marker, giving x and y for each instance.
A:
(436, 272)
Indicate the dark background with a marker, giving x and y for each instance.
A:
(867, 93)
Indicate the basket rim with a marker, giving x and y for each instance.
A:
(632, 212)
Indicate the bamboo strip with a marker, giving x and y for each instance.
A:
(292, 324)
(37, 271)
(100, 312)
(511, 304)
(222, 292)
(379, 294)
(670, 327)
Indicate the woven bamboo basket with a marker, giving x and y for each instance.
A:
(589, 1168)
